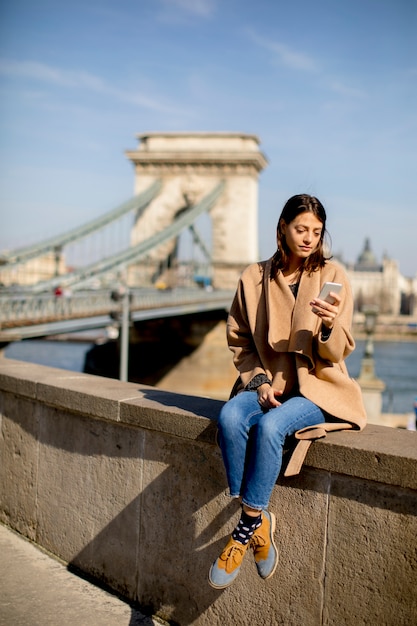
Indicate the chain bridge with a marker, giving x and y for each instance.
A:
(179, 178)
(175, 248)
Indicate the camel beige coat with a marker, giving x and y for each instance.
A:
(270, 332)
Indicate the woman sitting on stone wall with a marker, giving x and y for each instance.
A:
(289, 348)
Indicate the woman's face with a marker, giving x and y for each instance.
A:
(302, 234)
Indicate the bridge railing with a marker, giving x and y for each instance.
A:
(27, 309)
(32, 308)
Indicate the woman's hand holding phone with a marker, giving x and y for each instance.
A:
(326, 305)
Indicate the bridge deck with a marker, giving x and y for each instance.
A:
(28, 316)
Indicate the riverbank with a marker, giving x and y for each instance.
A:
(388, 327)
(384, 335)
(405, 421)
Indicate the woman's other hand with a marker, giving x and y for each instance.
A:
(267, 396)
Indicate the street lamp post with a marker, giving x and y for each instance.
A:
(372, 387)
(124, 339)
(121, 295)
(368, 365)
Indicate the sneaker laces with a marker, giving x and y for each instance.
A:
(258, 541)
(233, 555)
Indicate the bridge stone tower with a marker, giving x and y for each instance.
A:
(190, 165)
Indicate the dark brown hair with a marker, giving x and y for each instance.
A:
(296, 205)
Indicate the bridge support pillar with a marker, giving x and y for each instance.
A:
(190, 166)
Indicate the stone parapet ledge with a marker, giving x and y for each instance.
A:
(109, 399)
(378, 453)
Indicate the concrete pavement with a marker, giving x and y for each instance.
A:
(37, 590)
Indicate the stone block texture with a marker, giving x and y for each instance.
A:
(125, 483)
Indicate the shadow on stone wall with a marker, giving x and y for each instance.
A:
(142, 509)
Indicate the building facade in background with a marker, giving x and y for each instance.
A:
(381, 284)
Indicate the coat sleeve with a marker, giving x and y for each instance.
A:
(340, 343)
(240, 340)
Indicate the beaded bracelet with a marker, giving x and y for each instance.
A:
(325, 332)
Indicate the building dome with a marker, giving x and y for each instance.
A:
(367, 261)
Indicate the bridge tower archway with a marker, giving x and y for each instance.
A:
(190, 165)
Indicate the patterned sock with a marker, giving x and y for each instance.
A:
(246, 527)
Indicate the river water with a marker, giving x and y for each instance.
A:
(395, 364)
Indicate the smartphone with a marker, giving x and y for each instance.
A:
(326, 289)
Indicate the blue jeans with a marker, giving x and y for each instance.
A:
(252, 439)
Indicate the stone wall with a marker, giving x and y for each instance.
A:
(125, 483)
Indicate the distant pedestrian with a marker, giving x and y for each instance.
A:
(289, 349)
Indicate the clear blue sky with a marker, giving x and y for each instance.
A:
(328, 86)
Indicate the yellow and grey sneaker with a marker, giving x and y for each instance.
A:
(263, 546)
(226, 568)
